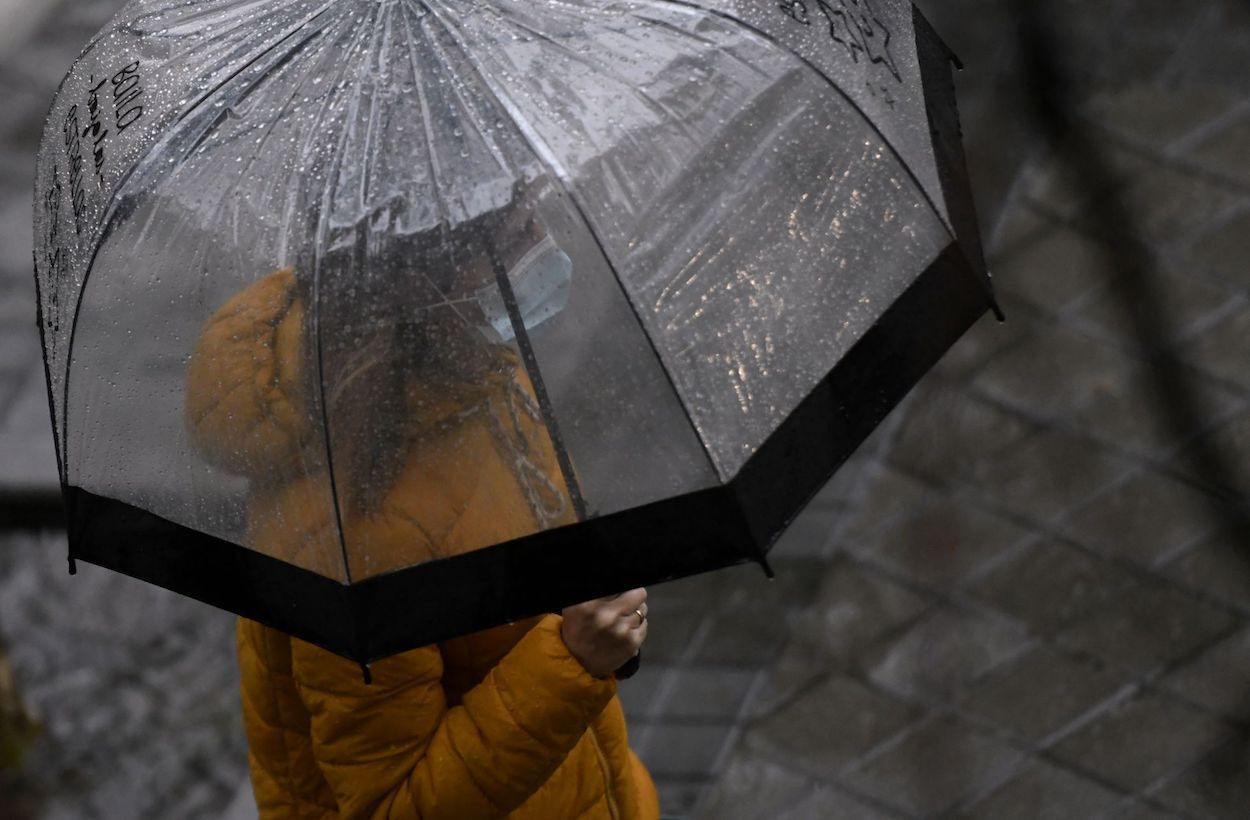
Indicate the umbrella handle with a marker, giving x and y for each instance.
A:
(629, 668)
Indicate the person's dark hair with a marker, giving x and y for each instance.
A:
(391, 317)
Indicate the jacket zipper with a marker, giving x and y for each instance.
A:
(613, 810)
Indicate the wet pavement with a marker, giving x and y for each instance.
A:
(136, 689)
(1012, 603)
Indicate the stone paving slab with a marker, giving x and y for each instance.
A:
(1040, 693)
(1141, 740)
(1046, 792)
(940, 765)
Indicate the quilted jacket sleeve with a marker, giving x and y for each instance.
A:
(394, 749)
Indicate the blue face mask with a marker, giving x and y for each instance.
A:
(540, 280)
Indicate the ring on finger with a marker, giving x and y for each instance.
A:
(642, 618)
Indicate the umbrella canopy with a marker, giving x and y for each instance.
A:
(678, 257)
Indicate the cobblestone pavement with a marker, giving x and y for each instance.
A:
(1012, 603)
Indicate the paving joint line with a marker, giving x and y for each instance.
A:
(733, 739)
(1177, 339)
(1162, 460)
(1192, 139)
(1164, 781)
(1141, 572)
(837, 779)
(1166, 72)
(1179, 164)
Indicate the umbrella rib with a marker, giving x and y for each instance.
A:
(540, 387)
(432, 165)
(528, 357)
(471, 115)
(540, 149)
(663, 111)
(325, 417)
(47, 372)
(376, 48)
(667, 26)
(431, 161)
(225, 36)
(257, 153)
(315, 317)
(907, 169)
(250, 62)
(681, 278)
(544, 154)
(198, 19)
(109, 217)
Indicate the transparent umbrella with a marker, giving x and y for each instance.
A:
(591, 294)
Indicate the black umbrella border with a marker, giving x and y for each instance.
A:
(734, 523)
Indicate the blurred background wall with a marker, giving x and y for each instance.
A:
(1024, 597)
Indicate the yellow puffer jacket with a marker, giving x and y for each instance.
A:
(501, 723)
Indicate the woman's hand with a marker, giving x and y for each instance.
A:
(605, 633)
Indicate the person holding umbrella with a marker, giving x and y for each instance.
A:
(439, 447)
(775, 240)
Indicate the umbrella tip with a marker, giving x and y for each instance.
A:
(762, 560)
(73, 566)
(367, 674)
(994, 306)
